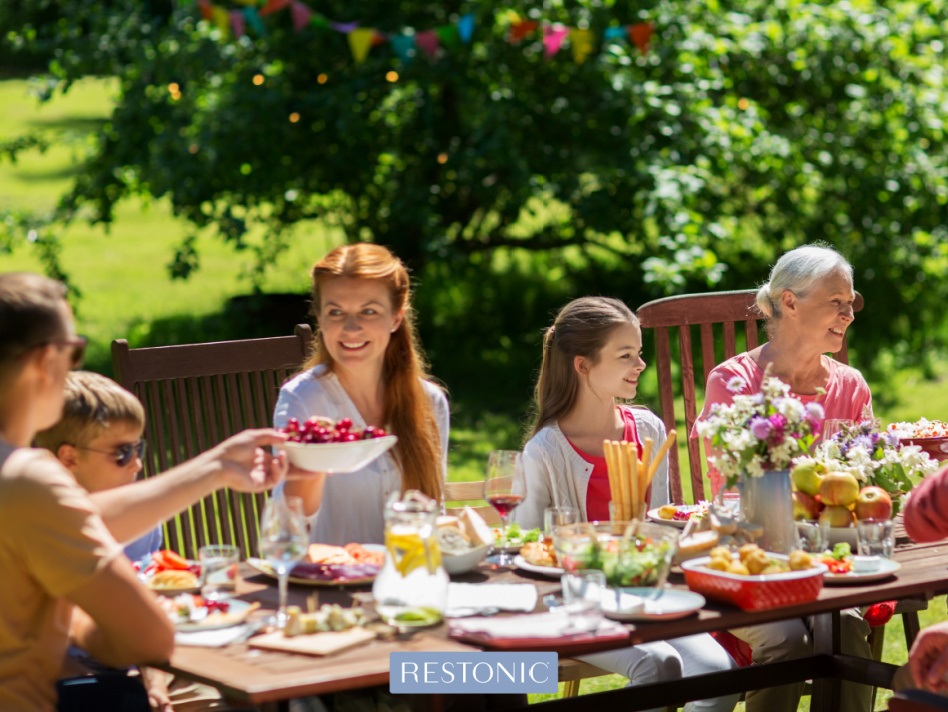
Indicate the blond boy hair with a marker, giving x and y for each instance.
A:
(93, 404)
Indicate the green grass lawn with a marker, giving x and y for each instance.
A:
(127, 292)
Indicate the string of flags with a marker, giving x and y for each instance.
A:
(237, 22)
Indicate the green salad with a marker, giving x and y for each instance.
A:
(639, 561)
(515, 536)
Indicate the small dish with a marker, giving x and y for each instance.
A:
(333, 458)
(468, 561)
(236, 614)
(650, 604)
(887, 568)
(652, 515)
(551, 571)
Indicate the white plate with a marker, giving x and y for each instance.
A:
(652, 516)
(236, 615)
(551, 571)
(264, 567)
(887, 567)
(337, 457)
(663, 604)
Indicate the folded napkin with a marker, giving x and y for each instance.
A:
(538, 625)
(217, 638)
(468, 599)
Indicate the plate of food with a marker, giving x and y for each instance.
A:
(540, 558)
(327, 565)
(845, 568)
(190, 612)
(333, 446)
(514, 538)
(650, 604)
(169, 574)
(677, 515)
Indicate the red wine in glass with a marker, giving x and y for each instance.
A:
(505, 487)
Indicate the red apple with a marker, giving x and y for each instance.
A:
(837, 516)
(839, 488)
(873, 503)
(805, 506)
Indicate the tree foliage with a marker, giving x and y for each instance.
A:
(746, 128)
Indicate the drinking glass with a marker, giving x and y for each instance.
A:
(875, 537)
(554, 517)
(218, 570)
(582, 598)
(505, 488)
(814, 535)
(283, 541)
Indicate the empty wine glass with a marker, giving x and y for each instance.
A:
(283, 540)
(505, 488)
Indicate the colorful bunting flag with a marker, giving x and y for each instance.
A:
(273, 6)
(428, 41)
(553, 37)
(221, 19)
(253, 19)
(301, 15)
(360, 41)
(344, 27)
(466, 27)
(204, 7)
(641, 34)
(520, 29)
(237, 24)
(447, 35)
(582, 44)
(614, 33)
(404, 46)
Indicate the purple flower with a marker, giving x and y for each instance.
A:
(815, 411)
(761, 428)
(890, 439)
(779, 423)
(865, 441)
(736, 385)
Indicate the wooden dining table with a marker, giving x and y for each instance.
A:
(263, 677)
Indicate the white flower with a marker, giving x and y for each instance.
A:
(736, 385)
(815, 411)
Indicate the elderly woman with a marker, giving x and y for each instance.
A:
(808, 304)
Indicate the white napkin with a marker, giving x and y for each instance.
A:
(538, 625)
(469, 599)
(211, 638)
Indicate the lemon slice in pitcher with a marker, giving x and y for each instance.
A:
(408, 552)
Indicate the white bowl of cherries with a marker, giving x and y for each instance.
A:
(324, 445)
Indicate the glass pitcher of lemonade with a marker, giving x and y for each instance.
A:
(412, 588)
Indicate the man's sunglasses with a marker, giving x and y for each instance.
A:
(123, 454)
(78, 345)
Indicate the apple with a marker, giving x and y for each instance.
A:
(873, 503)
(837, 516)
(807, 477)
(839, 488)
(805, 506)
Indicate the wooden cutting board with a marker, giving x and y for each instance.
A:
(314, 644)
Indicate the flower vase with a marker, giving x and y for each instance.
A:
(768, 502)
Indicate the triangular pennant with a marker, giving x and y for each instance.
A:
(360, 41)
(237, 23)
(582, 44)
(404, 46)
(247, 3)
(319, 21)
(221, 19)
(447, 35)
(641, 34)
(466, 27)
(272, 6)
(253, 19)
(204, 6)
(344, 27)
(519, 30)
(553, 37)
(379, 38)
(614, 33)
(301, 15)
(428, 41)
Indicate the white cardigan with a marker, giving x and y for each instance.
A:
(557, 475)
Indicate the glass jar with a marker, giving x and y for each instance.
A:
(412, 587)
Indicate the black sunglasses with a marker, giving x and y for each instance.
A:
(78, 345)
(123, 454)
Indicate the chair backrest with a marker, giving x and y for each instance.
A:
(470, 494)
(724, 320)
(195, 396)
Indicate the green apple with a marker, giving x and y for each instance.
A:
(837, 516)
(807, 477)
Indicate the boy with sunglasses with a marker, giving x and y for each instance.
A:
(64, 576)
(98, 439)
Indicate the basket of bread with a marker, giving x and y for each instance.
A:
(754, 579)
(464, 540)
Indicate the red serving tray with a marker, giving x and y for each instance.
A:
(754, 593)
(937, 448)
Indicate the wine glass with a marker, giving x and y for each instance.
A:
(505, 488)
(283, 541)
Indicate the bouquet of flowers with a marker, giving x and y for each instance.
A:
(874, 457)
(761, 431)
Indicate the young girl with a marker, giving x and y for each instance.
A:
(591, 359)
(368, 367)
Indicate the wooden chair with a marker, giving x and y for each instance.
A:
(458, 494)
(727, 323)
(195, 396)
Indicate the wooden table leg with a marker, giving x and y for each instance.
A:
(826, 640)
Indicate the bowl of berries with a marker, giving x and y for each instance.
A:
(333, 446)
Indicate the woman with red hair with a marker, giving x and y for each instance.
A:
(368, 367)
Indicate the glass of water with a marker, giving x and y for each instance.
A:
(875, 537)
(219, 564)
(582, 599)
(283, 541)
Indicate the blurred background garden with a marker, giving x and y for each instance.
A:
(182, 165)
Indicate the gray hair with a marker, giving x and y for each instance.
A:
(799, 271)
